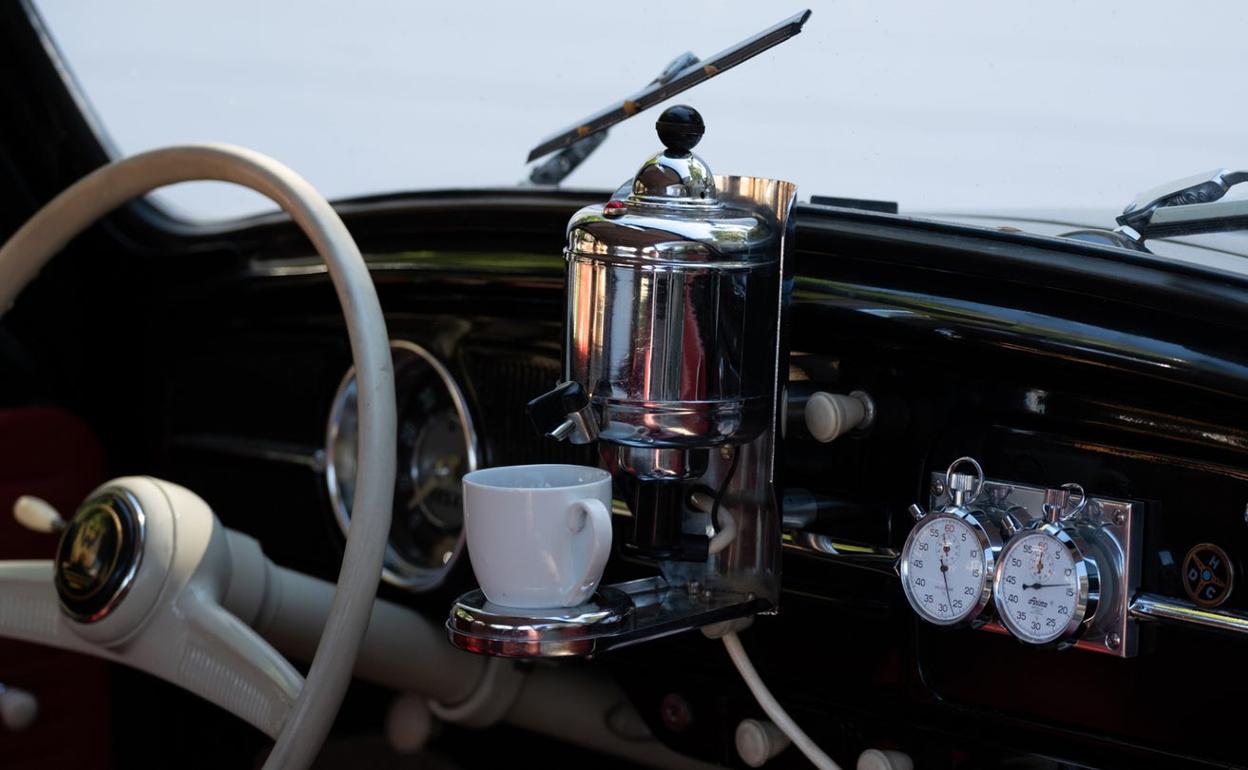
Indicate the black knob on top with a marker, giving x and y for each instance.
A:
(680, 128)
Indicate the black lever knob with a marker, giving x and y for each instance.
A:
(680, 129)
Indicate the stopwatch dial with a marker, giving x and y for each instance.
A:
(1038, 593)
(943, 569)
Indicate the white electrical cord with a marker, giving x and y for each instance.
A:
(772, 707)
(726, 534)
(727, 522)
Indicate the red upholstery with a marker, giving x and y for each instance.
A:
(54, 455)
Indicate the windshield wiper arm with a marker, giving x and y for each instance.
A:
(1190, 206)
(688, 77)
(1187, 207)
(555, 169)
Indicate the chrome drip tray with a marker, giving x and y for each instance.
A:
(616, 616)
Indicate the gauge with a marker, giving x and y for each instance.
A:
(437, 446)
(1044, 586)
(946, 567)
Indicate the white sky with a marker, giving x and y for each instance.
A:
(983, 105)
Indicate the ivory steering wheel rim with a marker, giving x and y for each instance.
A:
(110, 186)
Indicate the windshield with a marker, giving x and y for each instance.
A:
(972, 107)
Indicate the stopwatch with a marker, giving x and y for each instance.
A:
(949, 557)
(1047, 584)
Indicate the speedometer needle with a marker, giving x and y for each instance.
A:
(443, 466)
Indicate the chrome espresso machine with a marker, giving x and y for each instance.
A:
(675, 364)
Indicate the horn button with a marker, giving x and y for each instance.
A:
(99, 555)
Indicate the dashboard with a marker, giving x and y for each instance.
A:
(967, 349)
(1107, 385)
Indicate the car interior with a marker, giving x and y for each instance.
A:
(809, 480)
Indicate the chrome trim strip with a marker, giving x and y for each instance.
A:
(420, 579)
(828, 548)
(1167, 609)
(253, 449)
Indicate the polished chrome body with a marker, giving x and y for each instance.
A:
(1107, 534)
(673, 308)
(399, 570)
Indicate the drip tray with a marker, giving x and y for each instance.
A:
(616, 616)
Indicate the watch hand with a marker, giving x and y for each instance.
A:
(944, 573)
(1043, 585)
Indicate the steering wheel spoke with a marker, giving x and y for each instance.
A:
(192, 642)
(29, 610)
(200, 646)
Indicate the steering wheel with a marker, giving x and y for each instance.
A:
(144, 567)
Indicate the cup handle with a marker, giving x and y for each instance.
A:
(598, 519)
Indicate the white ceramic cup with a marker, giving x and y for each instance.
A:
(538, 535)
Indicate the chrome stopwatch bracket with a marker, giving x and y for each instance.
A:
(1117, 526)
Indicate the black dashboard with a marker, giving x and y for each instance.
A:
(1049, 362)
(211, 356)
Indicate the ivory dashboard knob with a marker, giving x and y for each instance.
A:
(884, 759)
(758, 740)
(37, 515)
(831, 415)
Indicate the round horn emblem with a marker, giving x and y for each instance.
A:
(98, 555)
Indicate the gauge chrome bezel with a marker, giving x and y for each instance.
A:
(398, 571)
(989, 545)
(1086, 594)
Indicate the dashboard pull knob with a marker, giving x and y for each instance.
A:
(758, 740)
(37, 515)
(18, 708)
(832, 415)
(884, 759)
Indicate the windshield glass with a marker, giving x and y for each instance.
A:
(972, 107)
